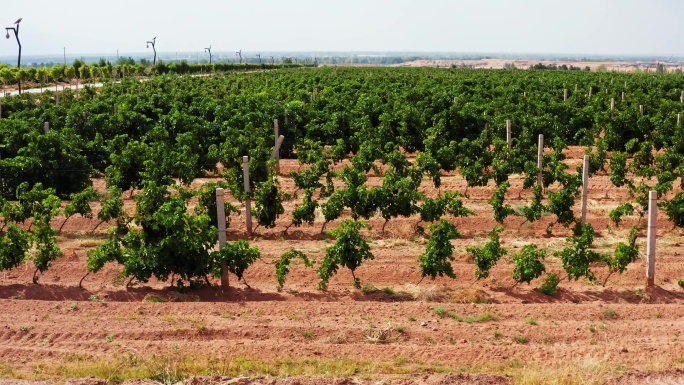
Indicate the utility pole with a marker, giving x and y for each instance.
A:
(259, 56)
(154, 40)
(65, 56)
(16, 35)
(239, 54)
(208, 50)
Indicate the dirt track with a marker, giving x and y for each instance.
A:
(586, 333)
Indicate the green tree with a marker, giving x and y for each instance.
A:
(489, 254)
(349, 250)
(436, 261)
(529, 264)
(283, 265)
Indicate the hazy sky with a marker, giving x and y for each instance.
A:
(525, 26)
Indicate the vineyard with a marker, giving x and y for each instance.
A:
(431, 215)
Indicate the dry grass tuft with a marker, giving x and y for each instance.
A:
(381, 335)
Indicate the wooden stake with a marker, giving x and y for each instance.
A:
(221, 215)
(585, 188)
(651, 242)
(540, 160)
(248, 201)
(508, 134)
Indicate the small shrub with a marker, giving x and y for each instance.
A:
(307, 334)
(520, 339)
(95, 298)
(550, 284)
(201, 328)
(73, 306)
(388, 290)
(109, 338)
(484, 317)
(680, 282)
(609, 313)
(440, 311)
(412, 318)
(369, 289)
(531, 321)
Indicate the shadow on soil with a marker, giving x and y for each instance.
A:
(47, 292)
(648, 295)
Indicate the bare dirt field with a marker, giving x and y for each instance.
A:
(526, 63)
(491, 331)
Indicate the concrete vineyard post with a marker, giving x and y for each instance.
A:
(276, 148)
(641, 109)
(651, 242)
(612, 104)
(565, 95)
(46, 127)
(590, 89)
(525, 94)
(286, 117)
(540, 160)
(585, 188)
(623, 96)
(248, 202)
(575, 87)
(116, 109)
(679, 116)
(57, 98)
(681, 98)
(276, 153)
(508, 133)
(221, 215)
(0, 109)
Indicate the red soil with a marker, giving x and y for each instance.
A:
(620, 325)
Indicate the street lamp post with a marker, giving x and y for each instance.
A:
(16, 35)
(208, 50)
(154, 40)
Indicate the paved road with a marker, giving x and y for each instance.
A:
(59, 88)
